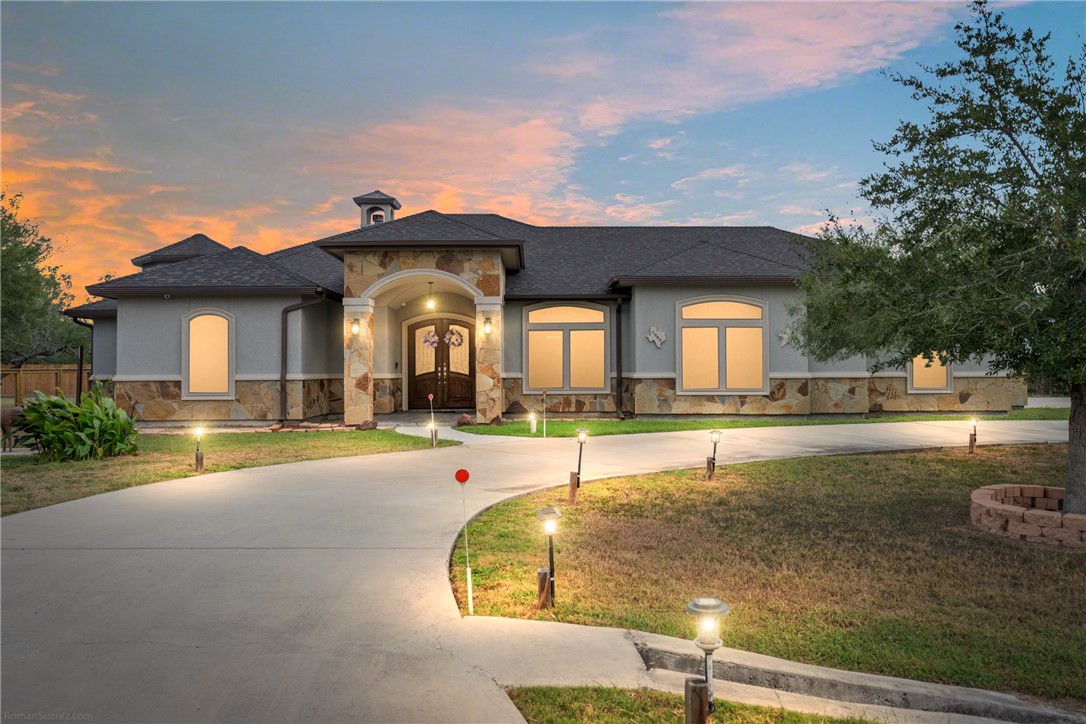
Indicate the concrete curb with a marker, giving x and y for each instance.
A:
(663, 652)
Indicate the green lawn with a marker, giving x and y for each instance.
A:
(866, 563)
(552, 704)
(568, 428)
(26, 484)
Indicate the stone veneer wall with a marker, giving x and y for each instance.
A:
(387, 395)
(846, 395)
(888, 394)
(1027, 512)
(361, 269)
(517, 401)
(254, 400)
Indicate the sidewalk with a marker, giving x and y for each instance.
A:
(318, 591)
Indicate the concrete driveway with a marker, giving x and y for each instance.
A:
(318, 591)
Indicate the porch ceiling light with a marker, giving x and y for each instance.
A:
(430, 299)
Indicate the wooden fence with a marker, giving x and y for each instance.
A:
(21, 382)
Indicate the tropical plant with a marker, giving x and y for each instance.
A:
(60, 429)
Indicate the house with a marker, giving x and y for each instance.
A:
(488, 313)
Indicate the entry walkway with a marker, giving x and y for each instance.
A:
(318, 591)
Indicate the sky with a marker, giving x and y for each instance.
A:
(129, 126)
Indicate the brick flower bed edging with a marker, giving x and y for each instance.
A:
(1033, 513)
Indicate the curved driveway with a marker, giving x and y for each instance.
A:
(318, 591)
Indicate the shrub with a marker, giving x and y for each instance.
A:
(59, 429)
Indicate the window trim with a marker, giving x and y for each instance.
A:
(911, 389)
(231, 356)
(566, 328)
(722, 325)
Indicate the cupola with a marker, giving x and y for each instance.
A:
(377, 207)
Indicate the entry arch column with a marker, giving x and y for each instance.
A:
(358, 361)
(488, 360)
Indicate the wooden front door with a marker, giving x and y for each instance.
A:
(441, 362)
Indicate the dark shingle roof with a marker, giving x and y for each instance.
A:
(426, 226)
(572, 260)
(101, 309)
(377, 197)
(237, 271)
(314, 264)
(193, 246)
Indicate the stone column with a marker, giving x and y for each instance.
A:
(358, 364)
(488, 363)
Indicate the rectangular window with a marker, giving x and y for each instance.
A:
(545, 353)
(586, 358)
(935, 377)
(743, 358)
(209, 355)
(700, 358)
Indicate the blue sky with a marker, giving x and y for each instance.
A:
(132, 125)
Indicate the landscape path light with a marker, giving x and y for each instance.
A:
(575, 478)
(973, 437)
(199, 452)
(544, 414)
(710, 463)
(549, 516)
(708, 612)
(531, 422)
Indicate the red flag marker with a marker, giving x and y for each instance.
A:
(430, 396)
(462, 476)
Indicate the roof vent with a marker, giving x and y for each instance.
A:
(377, 207)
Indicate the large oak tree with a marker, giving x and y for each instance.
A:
(978, 250)
(33, 293)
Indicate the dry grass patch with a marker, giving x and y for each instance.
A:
(866, 563)
(551, 704)
(26, 483)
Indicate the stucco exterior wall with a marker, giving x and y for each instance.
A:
(149, 334)
(104, 348)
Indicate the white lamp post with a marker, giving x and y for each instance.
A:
(531, 422)
(582, 438)
(708, 612)
(433, 433)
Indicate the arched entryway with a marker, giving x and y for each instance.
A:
(440, 361)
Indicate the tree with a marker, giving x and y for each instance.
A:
(33, 293)
(978, 250)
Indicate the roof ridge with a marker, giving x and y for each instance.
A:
(276, 263)
(472, 226)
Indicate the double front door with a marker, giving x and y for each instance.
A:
(441, 362)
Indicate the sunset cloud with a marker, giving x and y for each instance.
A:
(739, 173)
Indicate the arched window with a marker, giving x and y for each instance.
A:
(722, 346)
(207, 355)
(929, 377)
(566, 348)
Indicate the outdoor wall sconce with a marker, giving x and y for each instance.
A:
(199, 452)
(430, 299)
(545, 576)
(973, 437)
(708, 612)
(710, 463)
(531, 422)
(488, 326)
(575, 478)
(355, 327)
